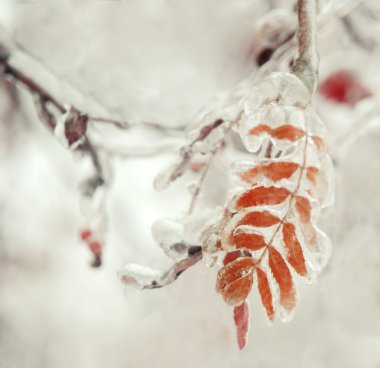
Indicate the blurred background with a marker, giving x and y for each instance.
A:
(164, 61)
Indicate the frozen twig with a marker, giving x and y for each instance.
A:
(146, 278)
(198, 188)
(187, 151)
(306, 64)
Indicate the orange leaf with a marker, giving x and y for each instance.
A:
(265, 293)
(241, 318)
(274, 171)
(319, 143)
(293, 246)
(303, 208)
(283, 277)
(248, 241)
(259, 219)
(237, 291)
(235, 280)
(262, 196)
(283, 132)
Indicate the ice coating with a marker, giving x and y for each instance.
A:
(139, 276)
(272, 103)
(169, 234)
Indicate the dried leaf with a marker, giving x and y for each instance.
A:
(283, 132)
(260, 196)
(265, 293)
(259, 219)
(295, 254)
(235, 280)
(241, 318)
(283, 277)
(274, 171)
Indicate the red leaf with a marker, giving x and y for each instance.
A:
(274, 171)
(265, 293)
(248, 241)
(241, 318)
(283, 132)
(283, 277)
(262, 196)
(259, 219)
(231, 256)
(235, 280)
(295, 254)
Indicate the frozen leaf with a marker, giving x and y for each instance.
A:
(259, 219)
(248, 241)
(284, 132)
(231, 256)
(303, 209)
(283, 277)
(275, 171)
(294, 250)
(265, 293)
(235, 280)
(241, 318)
(260, 196)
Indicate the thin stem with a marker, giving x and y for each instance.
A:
(200, 183)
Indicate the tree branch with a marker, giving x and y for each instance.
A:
(146, 278)
(306, 64)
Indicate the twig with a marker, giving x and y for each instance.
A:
(187, 151)
(143, 278)
(306, 64)
(200, 182)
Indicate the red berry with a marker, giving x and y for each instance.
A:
(95, 247)
(85, 234)
(342, 87)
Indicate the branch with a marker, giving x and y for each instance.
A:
(306, 64)
(146, 278)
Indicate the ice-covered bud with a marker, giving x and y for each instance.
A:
(272, 31)
(139, 277)
(169, 235)
(71, 128)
